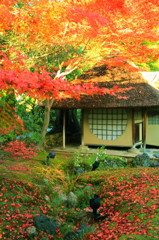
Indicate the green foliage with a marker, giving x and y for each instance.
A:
(74, 74)
(113, 162)
(20, 4)
(32, 114)
(27, 110)
(85, 160)
(10, 125)
(5, 138)
(84, 193)
(154, 66)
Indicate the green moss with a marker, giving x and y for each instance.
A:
(26, 186)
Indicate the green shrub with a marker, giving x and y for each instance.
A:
(84, 194)
(85, 160)
(113, 162)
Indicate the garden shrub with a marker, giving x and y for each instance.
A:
(83, 195)
(20, 150)
(141, 160)
(68, 166)
(113, 162)
(85, 160)
(52, 175)
(56, 176)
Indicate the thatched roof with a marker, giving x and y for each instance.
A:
(142, 94)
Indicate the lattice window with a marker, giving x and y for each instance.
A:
(153, 117)
(107, 124)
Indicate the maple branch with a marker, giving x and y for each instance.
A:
(62, 74)
(65, 30)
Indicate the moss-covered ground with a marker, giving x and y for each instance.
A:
(129, 198)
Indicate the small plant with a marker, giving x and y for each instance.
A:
(85, 160)
(84, 194)
(100, 154)
(53, 175)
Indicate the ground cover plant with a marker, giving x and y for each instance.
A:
(85, 160)
(129, 198)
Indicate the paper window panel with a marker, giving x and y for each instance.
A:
(107, 124)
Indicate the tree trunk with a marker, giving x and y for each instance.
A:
(48, 105)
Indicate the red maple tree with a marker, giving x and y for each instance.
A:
(45, 42)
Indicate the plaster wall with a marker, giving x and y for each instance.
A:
(90, 139)
(152, 134)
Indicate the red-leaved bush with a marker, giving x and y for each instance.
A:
(20, 150)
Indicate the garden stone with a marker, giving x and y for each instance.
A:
(134, 150)
(31, 231)
(43, 223)
(72, 200)
(85, 217)
(79, 171)
(63, 199)
(113, 163)
(72, 235)
(155, 164)
(156, 155)
(46, 181)
(78, 234)
(141, 160)
(88, 189)
(83, 229)
(47, 198)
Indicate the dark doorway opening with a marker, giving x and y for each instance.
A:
(72, 125)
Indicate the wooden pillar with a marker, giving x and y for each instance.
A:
(64, 129)
(133, 126)
(82, 127)
(144, 128)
